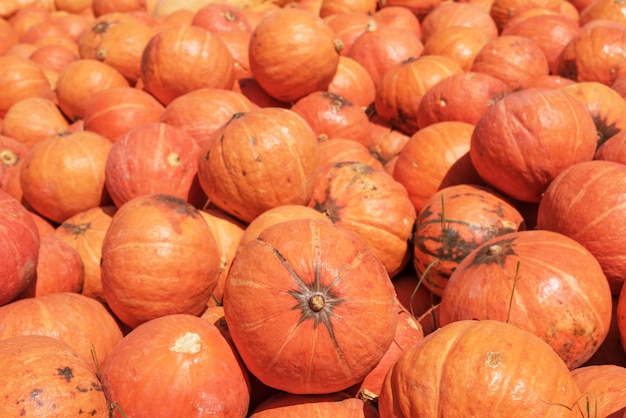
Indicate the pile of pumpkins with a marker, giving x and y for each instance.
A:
(341, 208)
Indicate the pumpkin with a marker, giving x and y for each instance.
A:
(514, 59)
(435, 157)
(462, 97)
(250, 88)
(101, 7)
(606, 107)
(605, 41)
(237, 43)
(293, 53)
(340, 404)
(51, 167)
(353, 82)
(611, 350)
(401, 88)
(181, 59)
(551, 81)
(191, 354)
(48, 315)
(338, 150)
(57, 381)
(450, 14)
(347, 27)
(202, 112)
(33, 119)
(331, 7)
(538, 280)
(53, 57)
(502, 11)
(529, 120)
(19, 242)
(59, 268)
(603, 388)
(115, 111)
(387, 142)
(398, 17)
(12, 153)
(21, 78)
(421, 8)
(370, 203)
(285, 300)
(620, 313)
(258, 160)
(154, 158)
(118, 40)
(484, 352)
(333, 116)
(221, 17)
(183, 255)
(613, 149)
(452, 223)
(603, 9)
(460, 43)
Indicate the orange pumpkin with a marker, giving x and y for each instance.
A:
(613, 149)
(182, 59)
(183, 255)
(387, 142)
(57, 381)
(340, 404)
(603, 388)
(33, 119)
(293, 53)
(237, 43)
(12, 153)
(370, 203)
(258, 160)
(338, 150)
(85, 232)
(398, 17)
(333, 7)
(450, 14)
(51, 167)
(421, 8)
(525, 121)
(53, 57)
(603, 9)
(452, 223)
(154, 158)
(220, 17)
(460, 43)
(502, 11)
(184, 349)
(484, 352)
(353, 82)
(285, 299)
(21, 78)
(540, 281)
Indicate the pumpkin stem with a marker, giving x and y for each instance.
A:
(317, 302)
(8, 157)
(339, 46)
(494, 249)
(189, 343)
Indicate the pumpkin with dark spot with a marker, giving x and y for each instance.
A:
(43, 376)
(310, 315)
(540, 281)
(452, 223)
(159, 257)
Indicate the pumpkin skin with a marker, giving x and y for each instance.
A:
(48, 315)
(51, 167)
(19, 248)
(154, 158)
(484, 352)
(177, 60)
(450, 14)
(369, 202)
(353, 82)
(613, 149)
(540, 281)
(220, 17)
(338, 150)
(12, 153)
(188, 352)
(460, 43)
(184, 260)
(319, 286)
(85, 232)
(56, 382)
(258, 160)
(564, 208)
(530, 120)
(21, 78)
(452, 223)
(603, 386)
(293, 53)
(502, 11)
(286, 405)
(33, 119)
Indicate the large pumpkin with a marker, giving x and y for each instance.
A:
(159, 257)
(176, 365)
(537, 280)
(19, 248)
(452, 223)
(258, 160)
(288, 299)
(548, 130)
(586, 202)
(505, 371)
(372, 204)
(43, 376)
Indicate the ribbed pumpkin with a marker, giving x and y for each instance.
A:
(51, 167)
(540, 281)
(182, 59)
(507, 372)
(293, 53)
(85, 232)
(48, 315)
(258, 160)
(527, 121)
(370, 203)
(286, 299)
(45, 377)
(19, 243)
(586, 202)
(452, 223)
(190, 353)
